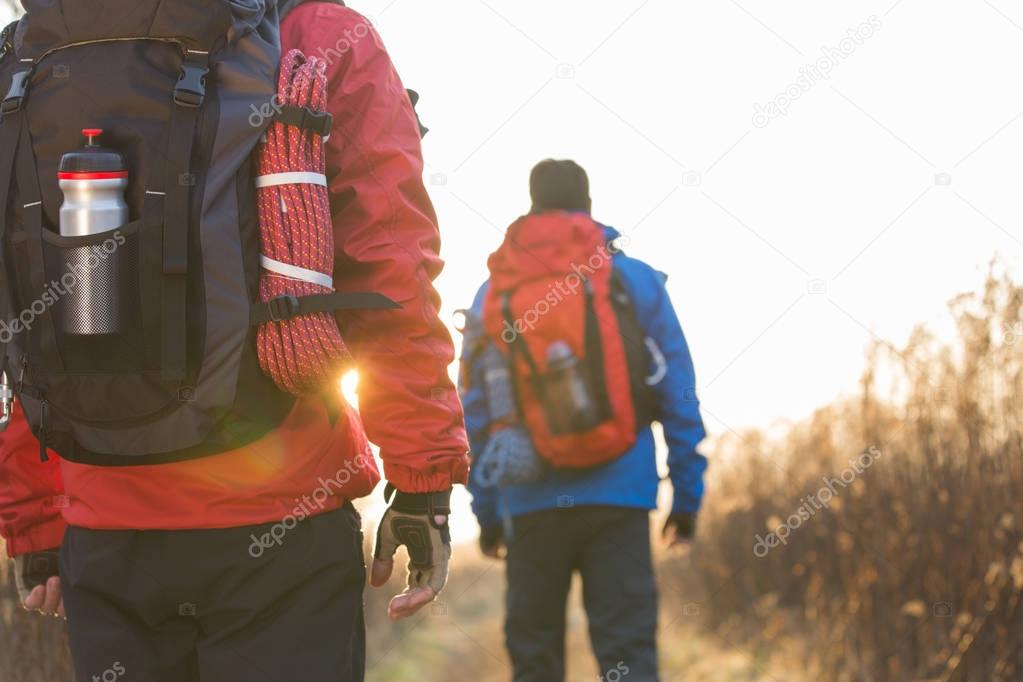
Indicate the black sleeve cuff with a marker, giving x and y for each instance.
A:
(419, 503)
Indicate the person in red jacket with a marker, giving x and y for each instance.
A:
(249, 564)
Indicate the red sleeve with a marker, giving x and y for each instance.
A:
(387, 241)
(31, 492)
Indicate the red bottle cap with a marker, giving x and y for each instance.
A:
(91, 133)
(92, 162)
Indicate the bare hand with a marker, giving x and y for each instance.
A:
(45, 599)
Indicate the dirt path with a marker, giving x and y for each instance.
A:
(461, 640)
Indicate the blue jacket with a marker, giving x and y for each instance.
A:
(632, 479)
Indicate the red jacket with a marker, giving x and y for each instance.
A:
(388, 241)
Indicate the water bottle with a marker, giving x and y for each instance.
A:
(500, 391)
(509, 457)
(569, 400)
(93, 180)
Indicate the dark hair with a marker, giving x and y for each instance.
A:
(559, 186)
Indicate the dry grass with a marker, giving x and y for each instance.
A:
(32, 648)
(914, 572)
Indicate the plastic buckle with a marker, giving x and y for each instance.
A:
(191, 88)
(283, 307)
(319, 122)
(15, 96)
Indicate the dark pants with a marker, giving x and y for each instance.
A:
(217, 606)
(610, 547)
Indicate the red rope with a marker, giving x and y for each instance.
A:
(300, 354)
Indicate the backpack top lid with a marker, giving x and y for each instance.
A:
(545, 244)
(197, 24)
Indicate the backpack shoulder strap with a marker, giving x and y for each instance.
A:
(635, 341)
(517, 345)
(595, 358)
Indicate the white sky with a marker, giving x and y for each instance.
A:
(842, 189)
(656, 99)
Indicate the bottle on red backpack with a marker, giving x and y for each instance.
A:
(568, 391)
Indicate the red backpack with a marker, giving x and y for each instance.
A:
(560, 314)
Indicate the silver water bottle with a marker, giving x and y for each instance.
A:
(570, 403)
(93, 180)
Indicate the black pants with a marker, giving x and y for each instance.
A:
(610, 547)
(218, 605)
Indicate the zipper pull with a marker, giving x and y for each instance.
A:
(43, 406)
(21, 375)
(6, 401)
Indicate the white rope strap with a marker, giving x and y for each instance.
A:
(295, 272)
(296, 178)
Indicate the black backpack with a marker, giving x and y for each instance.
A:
(173, 83)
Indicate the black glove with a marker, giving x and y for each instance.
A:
(679, 527)
(491, 540)
(410, 521)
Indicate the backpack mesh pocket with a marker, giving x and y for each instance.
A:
(93, 286)
(93, 303)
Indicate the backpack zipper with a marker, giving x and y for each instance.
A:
(166, 409)
(39, 394)
(80, 43)
(44, 406)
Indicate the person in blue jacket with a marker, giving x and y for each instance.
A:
(594, 521)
